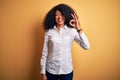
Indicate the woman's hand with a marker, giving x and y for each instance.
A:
(44, 77)
(75, 22)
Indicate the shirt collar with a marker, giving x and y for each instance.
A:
(65, 27)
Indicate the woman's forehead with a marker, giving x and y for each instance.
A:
(57, 11)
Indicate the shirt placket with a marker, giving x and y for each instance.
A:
(60, 52)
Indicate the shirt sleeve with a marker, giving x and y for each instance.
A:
(44, 54)
(82, 40)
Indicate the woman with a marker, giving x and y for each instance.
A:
(62, 28)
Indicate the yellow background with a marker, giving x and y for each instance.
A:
(22, 36)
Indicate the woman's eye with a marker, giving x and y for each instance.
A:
(56, 15)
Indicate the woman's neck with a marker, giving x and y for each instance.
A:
(59, 26)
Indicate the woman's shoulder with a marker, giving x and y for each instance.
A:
(49, 31)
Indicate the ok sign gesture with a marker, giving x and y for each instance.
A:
(75, 22)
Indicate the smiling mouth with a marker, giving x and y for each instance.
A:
(60, 20)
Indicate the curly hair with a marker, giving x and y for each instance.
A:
(66, 11)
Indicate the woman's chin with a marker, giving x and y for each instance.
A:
(60, 23)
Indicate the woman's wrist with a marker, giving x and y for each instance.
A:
(79, 30)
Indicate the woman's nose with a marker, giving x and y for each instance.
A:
(59, 17)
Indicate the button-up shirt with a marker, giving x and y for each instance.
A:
(57, 50)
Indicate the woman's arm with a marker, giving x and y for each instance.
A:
(80, 37)
(44, 54)
(82, 40)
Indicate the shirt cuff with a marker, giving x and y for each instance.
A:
(43, 71)
(82, 34)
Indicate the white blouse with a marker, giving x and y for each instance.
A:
(56, 56)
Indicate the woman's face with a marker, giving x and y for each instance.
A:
(59, 18)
